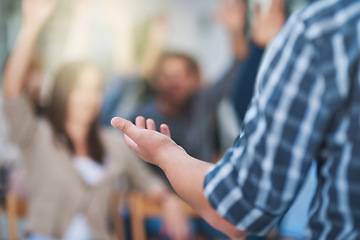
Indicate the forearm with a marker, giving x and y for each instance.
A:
(240, 45)
(223, 87)
(187, 175)
(17, 65)
(243, 88)
(154, 47)
(153, 51)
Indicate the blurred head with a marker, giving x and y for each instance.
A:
(77, 93)
(177, 78)
(85, 97)
(77, 98)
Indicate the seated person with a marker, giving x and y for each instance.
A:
(72, 163)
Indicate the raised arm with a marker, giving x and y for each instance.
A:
(232, 15)
(154, 46)
(35, 15)
(266, 27)
(17, 108)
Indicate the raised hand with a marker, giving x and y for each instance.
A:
(159, 29)
(233, 15)
(35, 15)
(145, 141)
(37, 12)
(268, 24)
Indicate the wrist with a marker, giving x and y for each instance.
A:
(240, 47)
(254, 46)
(238, 36)
(169, 156)
(259, 41)
(31, 30)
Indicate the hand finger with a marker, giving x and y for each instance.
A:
(150, 124)
(131, 144)
(164, 129)
(126, 127)
(140, 122)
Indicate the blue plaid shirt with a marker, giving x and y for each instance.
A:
(307, 107)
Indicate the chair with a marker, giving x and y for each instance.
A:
(142, 208)
(118, 201)
(15, 208)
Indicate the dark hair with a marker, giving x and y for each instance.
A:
(192, 65)
(64, 82)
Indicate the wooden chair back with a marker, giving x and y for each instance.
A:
(15, 208)
(142, 208)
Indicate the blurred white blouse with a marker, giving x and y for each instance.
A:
(92, 173)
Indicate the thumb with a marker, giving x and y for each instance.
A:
(125, 126)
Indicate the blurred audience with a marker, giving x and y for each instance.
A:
(70, 160)
(178, 95)
(125, 93)
(266, 25)
(186, 105)
(11, 164)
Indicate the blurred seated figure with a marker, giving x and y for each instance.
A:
(11, 159)
(189, 107)
(181, 102)
(174, 92)
(126, 92)
(72, 164)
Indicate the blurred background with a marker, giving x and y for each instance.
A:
(114, 32)
(126, 40)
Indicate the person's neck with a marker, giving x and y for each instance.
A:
(78, 134)
(167, 108)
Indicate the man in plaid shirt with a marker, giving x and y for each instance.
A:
(307, 107)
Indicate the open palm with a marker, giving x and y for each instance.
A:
(145, 141)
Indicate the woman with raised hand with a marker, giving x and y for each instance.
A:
(72, 164)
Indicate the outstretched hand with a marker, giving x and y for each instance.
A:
(268, 24)
(145, 141)
(186, 174)
(37, 12)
